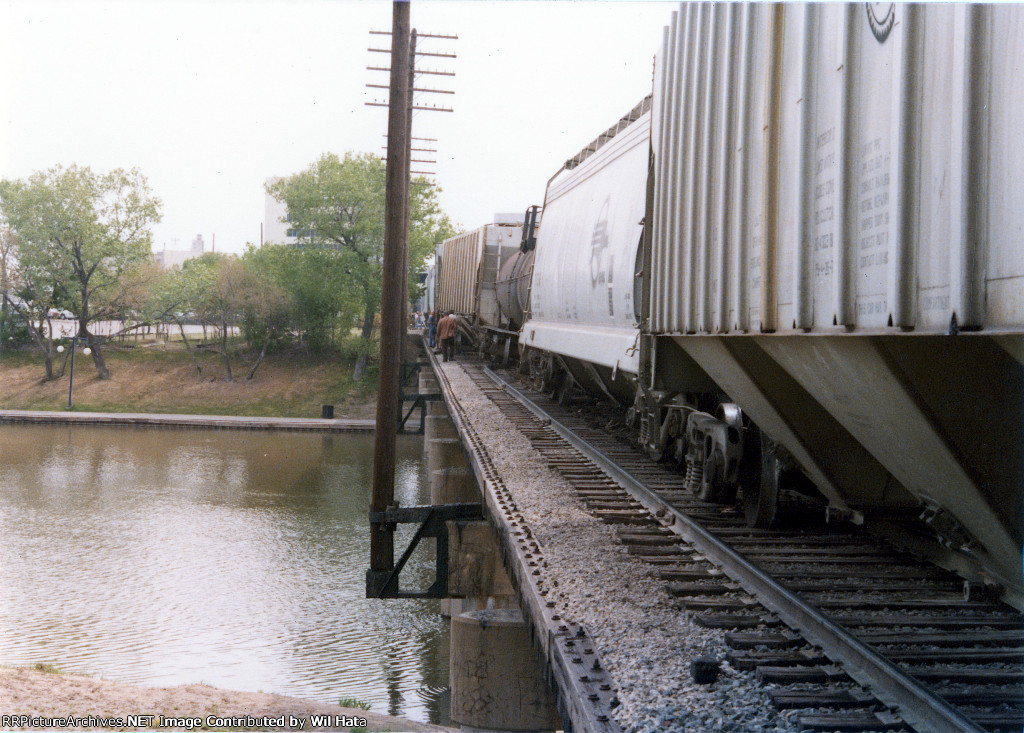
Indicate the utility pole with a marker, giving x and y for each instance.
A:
(415, 106)
(394, 297)
(413, 89)
(382, 546)
(405, 215)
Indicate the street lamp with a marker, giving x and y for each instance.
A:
(86, 351)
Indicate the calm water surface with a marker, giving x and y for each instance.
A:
(166, 557)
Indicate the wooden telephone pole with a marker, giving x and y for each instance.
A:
(394, 300)
(382, 546)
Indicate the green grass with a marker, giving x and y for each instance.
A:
(164, 380)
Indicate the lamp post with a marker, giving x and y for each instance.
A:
(86, 351)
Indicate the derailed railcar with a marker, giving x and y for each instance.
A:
(516, 275)
(830, 289)
(428, 299)
(466, 275)
(836, 243)
(583, 317)
(469, 263)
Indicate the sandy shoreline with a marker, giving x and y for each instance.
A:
(34, 693)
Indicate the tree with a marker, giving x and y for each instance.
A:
(90, 232)
(338, 204)
(240, 294)
(310, 276)
(184, 293)
(8, 258)
(32, 294)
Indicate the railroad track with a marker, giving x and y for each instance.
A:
(849, 630)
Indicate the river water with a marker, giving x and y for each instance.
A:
(165, 557)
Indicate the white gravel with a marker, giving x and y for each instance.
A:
(644, 641)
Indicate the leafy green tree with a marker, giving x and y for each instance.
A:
(242, 295)
(319, 309)
(194, 284)
(337, 204)
(31, 293)
(90, 232)
(178, 295)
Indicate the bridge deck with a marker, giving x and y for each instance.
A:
(573, 574)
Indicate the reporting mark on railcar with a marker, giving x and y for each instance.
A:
(881, 18)
(599, 246)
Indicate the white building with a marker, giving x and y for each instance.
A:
(168, 258)
(275, 230)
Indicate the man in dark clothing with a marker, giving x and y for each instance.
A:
(432, 329)
(446, 329)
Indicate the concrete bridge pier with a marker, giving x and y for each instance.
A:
(451, 481)
(497, 675)
(477, 579)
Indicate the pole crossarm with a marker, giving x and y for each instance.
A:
(418, 53)
(415, 89)
(421, 35)
(418, 107)
(429, 72)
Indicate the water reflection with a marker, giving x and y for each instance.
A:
(166, 557)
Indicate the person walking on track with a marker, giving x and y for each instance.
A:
(446, 330)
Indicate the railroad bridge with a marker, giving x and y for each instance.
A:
(644, 608)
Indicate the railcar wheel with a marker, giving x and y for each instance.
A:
(761, 485)
(550, 376)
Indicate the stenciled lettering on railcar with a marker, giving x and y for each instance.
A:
(872, 306)
(872, 243)
(599, 246)
(934, 302)
(825, 216)
(881, 18)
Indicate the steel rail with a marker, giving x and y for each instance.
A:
(921, 709)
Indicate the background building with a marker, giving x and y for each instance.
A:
(275, 230)
(168, 258)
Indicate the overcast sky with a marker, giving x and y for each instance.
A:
(210, 98)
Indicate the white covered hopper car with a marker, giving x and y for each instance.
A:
(830, 284)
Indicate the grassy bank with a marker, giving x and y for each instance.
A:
(163, 378)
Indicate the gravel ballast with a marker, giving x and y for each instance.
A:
(645, 641)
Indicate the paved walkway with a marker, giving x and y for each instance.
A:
(187, 421)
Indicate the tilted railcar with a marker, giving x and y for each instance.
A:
(834, 239)
(466, 273)
(584, 298)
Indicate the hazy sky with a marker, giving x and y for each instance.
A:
(210, 98)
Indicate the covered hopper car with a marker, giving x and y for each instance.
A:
(466, 279)
(802, 262)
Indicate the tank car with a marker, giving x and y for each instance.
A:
(516, 275)
(831, 282)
